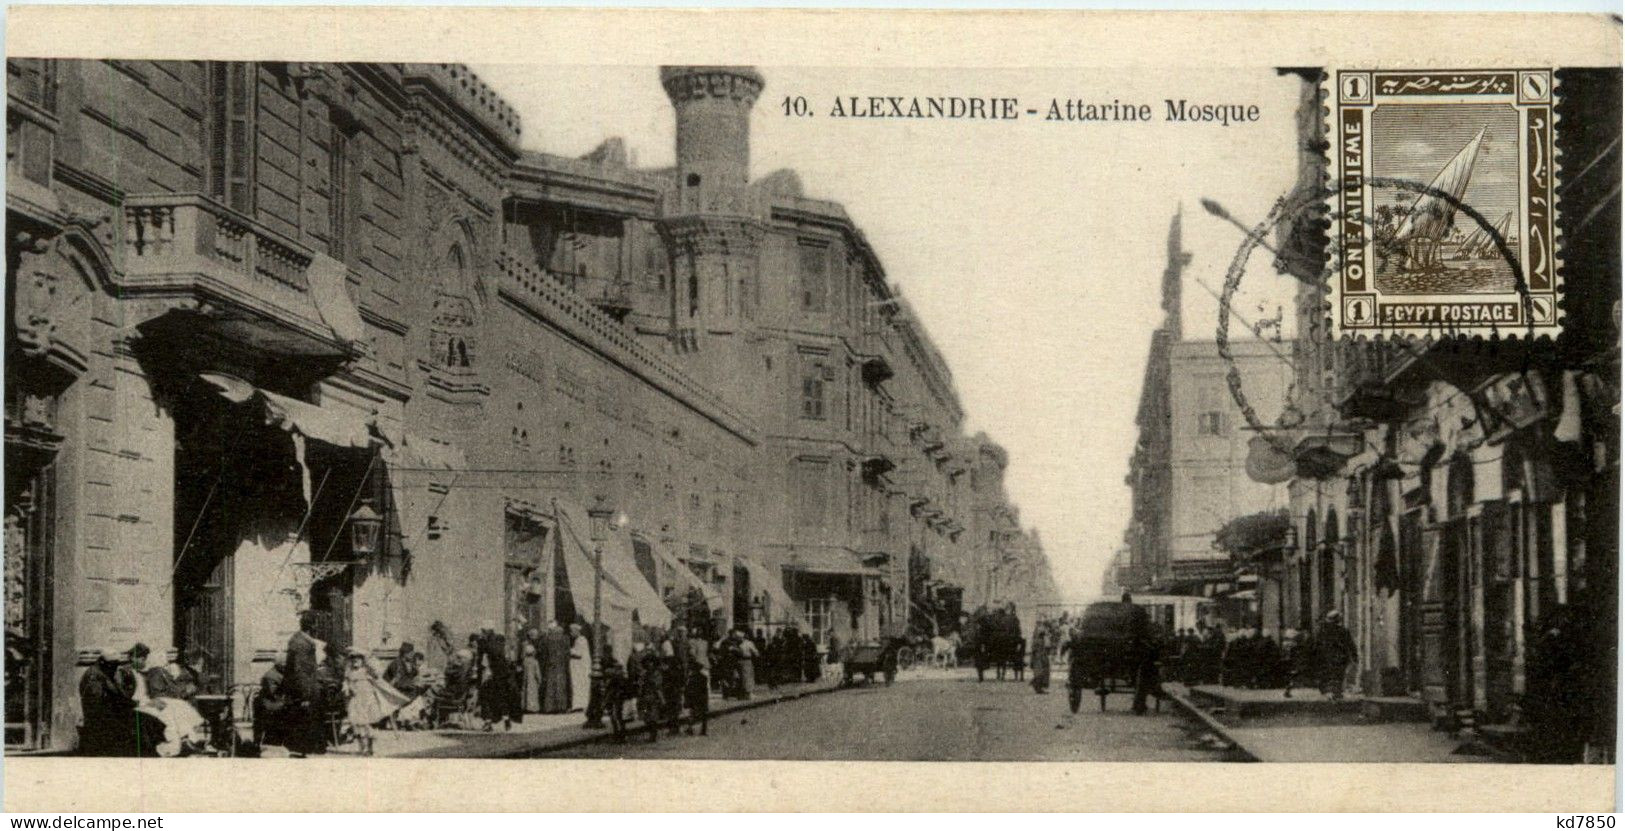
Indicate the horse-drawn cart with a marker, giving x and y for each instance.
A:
(870, 660)
(1112, 649)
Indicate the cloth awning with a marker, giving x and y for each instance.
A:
(328, 279)
(626, 592)
(781, 608)
(824, 561)
(687, 577)
(337, 427)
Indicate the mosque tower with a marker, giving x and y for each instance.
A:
(713, 222)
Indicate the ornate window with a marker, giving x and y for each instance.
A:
(453, 318)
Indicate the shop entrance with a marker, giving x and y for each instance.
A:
(256, 523)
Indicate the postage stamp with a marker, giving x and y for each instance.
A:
(1443, 205)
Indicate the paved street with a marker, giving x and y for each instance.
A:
(938, 718)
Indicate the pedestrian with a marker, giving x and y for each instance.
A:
(530, 667)
(810, 665)
(673, 678)
(610, 691)
(748, 655)
(1040, 658)
(364, 704)
(1333, 652)
(1077, 672)
(304, 722)
(498, 700)
(1294, 658)
(643, 672)
(697, 687)
(580, 668)
(1018, 657)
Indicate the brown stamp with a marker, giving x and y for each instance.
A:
(1443, 204)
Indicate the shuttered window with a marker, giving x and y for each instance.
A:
(229, 134)
(344, 161)
(814, 277)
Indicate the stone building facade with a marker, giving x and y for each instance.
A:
(251, 302)
(1457, 501)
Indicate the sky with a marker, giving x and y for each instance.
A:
(1031, 251)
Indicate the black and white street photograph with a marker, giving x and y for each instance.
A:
(364, 414)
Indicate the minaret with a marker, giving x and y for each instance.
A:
(1173, 280)
(713, 221)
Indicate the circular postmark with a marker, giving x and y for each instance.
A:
(1290, 209)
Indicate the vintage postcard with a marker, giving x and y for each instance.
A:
(1061, 402)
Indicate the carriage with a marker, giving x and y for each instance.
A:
(870, 660)
(1111, 644)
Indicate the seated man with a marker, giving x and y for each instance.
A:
(403, 673)
(269, 706)
(108, 706)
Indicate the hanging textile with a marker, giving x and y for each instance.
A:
(781, 608)
(687, 577)
(626, 593)
(336, 426)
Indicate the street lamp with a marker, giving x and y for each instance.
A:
(603, 521)
(365, 524)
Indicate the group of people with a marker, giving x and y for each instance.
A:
(491, 681)
(996, 642)
(669, 675)
(1254, 659)
(131, 709)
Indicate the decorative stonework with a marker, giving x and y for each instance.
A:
(690, 83)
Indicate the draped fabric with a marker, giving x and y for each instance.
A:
(782, 608)
(626, 592)
(687, 577)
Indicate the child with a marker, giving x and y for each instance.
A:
(368, 699)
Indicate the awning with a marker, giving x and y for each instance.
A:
(687, 577)
(826, 561)
(340, 428)
(781, 608)
(327, 279)
(625, 590)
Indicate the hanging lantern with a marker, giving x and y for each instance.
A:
(365, 524)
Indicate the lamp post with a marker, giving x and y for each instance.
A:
(603, 521)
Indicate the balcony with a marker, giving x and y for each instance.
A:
(876, 466)
(876, 370)
(202, 261)
(613, 298)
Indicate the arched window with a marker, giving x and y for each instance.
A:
(453, 317)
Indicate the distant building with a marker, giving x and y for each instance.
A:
(1188, 475)
(255, 304)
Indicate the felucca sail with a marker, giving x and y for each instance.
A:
(1430, 214)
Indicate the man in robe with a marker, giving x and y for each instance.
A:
(304, 719)
(580, 669)
(498, 697)
(556, 692)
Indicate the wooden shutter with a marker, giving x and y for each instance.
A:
(229, 133)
